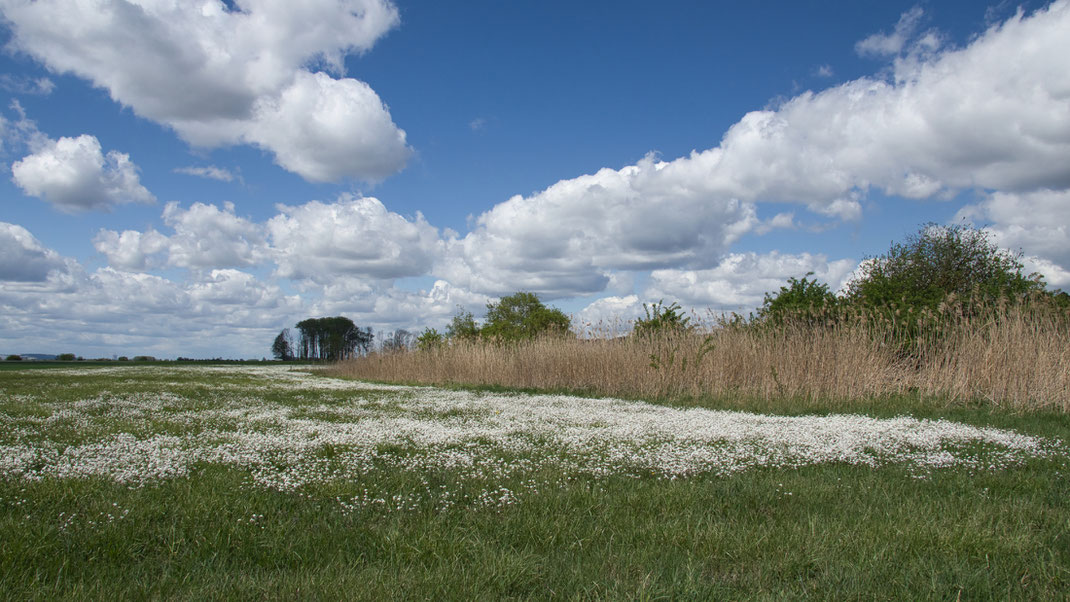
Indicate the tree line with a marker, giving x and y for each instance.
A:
(910, 286)
(330, 339)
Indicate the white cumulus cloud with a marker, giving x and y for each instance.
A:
(354, 237)
(1035, 223)
(23, 258)
(220, 76)
(566, 239)
(75, 175)
(992, 115)
(205, 236)
(741, 280)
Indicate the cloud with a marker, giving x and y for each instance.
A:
(226, 313)
(205, 236)
(321, 242)
(824, 71)
(221, 77)
(608, 316)
(48, 300)
(131, 250)
(741, 280)
(354, 237)
(564, 240)
(325, 129)
(20, 134)
(992, 115)
(74, 175)
(23, 258)
(38, 86)
(1035, 223)
(882, 44)
(210, 172)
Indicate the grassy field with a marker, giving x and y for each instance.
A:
(252, 482)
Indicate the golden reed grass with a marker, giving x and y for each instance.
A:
(1015, 357)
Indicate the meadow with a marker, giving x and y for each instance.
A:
(252, 482)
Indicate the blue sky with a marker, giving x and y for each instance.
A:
(187, 178)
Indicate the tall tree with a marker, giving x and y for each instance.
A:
(282, 348)
(335, 338)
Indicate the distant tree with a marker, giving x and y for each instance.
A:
(801, 298)
(123, 358)
(463, 326)
(282, 348)
(938, 261)
(429, 339)
(399, 340)
(66, 357)
(662, 318)
(332, 339)
(13, 358)
(522, 316)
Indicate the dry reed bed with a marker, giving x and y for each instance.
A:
(1017, 358)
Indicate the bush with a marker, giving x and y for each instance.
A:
(14, 358)
(522, 316)
(661, 318)
(802, 298)
(66, 357)
(463, 326)
(939, 261)
(430, 339)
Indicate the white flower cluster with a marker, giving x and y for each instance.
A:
(330, 430)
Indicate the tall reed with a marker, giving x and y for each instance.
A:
(1015, 356)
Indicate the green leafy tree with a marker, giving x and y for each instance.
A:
(662, 318)
(332, 339)
(802, 298)
(463, 326)
(430, 339)
(522, 316)
(13, 358)
(66, 357)
(936, 262)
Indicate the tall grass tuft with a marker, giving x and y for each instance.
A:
(1015, 356)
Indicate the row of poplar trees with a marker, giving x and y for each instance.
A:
(330, 339)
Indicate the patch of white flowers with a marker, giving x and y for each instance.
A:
(332, 430)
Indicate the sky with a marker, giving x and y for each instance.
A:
(188, 177)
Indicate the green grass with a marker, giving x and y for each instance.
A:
(831, 531)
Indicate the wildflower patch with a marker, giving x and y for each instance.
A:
(298, 432)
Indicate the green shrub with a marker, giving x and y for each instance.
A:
(939, 261)
(801, 299)
(66, 357)
(522, 316)
(463, 326)
(430, 339)
(13, 358)
(661, 318)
